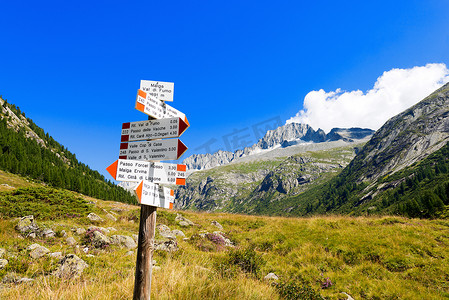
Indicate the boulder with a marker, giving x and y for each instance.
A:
(55, 255)
(178, 232)
(70, 241)
(164, 231)
(37, 251)
(182, 221)
(167, 245)
(80, 231)
(3, 263)
(46, 233)
(216, 224)
(111, 217)
(99, 240)
(123, 240)
(71, 266)
(27, 226)
(271, 276)
(24, 280)
(94, 217)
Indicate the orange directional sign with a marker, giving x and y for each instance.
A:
(156, 108)
(150, 194)
(154, 172)
(153, 150)
(153, 129)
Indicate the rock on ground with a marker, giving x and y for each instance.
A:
(177, 232)
(168, 245)
(216, 224)
(99, 240)
(164, 231)
(123, 240)
(70, 241)
(271, 276)
(71, 266)
(3, 263)
(183, 221)
(2, 252)
(27, 226)
(94, 217)
(37, 251)
(111, 217)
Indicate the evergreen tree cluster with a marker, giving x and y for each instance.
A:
(25, 156)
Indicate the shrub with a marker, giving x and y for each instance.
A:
(245, 259)
(208, 242)
(296, 289)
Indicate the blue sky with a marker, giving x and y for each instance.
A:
(75, 67)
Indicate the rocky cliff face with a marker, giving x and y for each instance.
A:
(405, 139)
(240, 186)
(284, 136)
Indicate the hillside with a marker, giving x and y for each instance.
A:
(403, 169)
(27, 150)
(240, 186)
(220, 256)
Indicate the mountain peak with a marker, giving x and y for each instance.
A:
(290, 134)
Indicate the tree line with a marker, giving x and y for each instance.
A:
(52, 164)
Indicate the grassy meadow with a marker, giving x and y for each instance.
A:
(314, 258)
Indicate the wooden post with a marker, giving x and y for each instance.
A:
(144, 263)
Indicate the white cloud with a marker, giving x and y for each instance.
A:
(393, 92)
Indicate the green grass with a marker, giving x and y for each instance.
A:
(366, 257)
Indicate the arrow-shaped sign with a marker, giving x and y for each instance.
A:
(158, 90)
(153, 150)
(155, 172)
(156, 108)
(153, 129)
(149, 194)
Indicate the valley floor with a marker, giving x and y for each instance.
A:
(366, 258)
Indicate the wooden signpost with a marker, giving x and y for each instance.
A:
(141, 150)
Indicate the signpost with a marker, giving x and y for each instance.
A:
(153, 129)
(143, 146)
(154, 172)
(153, 150)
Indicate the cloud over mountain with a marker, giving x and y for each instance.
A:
(393, 92)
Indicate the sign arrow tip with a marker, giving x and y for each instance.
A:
(183, 125)
(112, 169)
(139, 191)
(181, 148)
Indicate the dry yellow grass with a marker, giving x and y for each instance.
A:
(366, 257)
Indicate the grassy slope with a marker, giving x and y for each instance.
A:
(368, 258)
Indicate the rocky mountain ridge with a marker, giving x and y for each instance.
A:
(241, 185)
(406, 138)
(285, 136)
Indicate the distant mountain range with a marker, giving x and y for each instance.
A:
(282, 137)
(402, 169)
